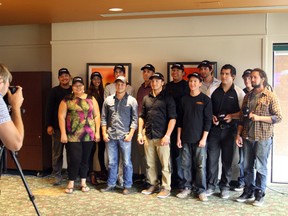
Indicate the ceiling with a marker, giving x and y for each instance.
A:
(18, 12)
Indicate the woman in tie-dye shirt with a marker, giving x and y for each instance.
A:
(79, 121)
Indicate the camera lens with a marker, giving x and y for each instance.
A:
(12, 89)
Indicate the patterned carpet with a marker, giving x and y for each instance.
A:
(51, 200)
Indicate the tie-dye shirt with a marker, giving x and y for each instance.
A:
(80, 124)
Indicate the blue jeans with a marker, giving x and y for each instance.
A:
(114, 146)
(194, 158)
(220, 141)
(256, 155)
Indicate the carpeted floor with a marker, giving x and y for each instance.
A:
(51, 200)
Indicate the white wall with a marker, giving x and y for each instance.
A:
(235, 39)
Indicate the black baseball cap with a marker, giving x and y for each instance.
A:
(178, 66)
(119, 66)
(94, 74)
(149, 67)
(197, 75)
(247, 72)
(77, 79)
(63, 71)
(157, 75)
(205, 63)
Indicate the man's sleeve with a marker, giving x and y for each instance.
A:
(4, 114)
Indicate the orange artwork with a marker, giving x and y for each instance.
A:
(107, 71)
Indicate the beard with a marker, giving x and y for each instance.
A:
(256, 86)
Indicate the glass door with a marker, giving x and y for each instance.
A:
(280, 143)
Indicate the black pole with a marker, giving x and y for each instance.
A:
(31, 196)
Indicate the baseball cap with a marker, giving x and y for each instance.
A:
(77, 79)
(197, 75)
(205, 63)
(178, 66)
(157, 75)
(94, 74)
(63, 71)
(247, 72)
(122, 79)
(119, 66)
(149, 67)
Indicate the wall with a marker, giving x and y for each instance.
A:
(26, 47)
(158, 41)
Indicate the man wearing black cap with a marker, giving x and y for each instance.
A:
(56, 95)
(147, 71)
(210, 83)
(248, 87)
(159, 118)
(194, 122)
(247, 81)
(119, 70)
(178, 87)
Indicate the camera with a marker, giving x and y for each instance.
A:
(221, 117)
(13, 89)
(246, 112)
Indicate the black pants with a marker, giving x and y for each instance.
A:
(79, 153)
(220, 140)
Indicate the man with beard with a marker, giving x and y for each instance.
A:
(56, 95)
(260, 111)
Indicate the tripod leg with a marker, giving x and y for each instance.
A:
(31, 196)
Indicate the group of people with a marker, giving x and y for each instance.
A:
(184, 125)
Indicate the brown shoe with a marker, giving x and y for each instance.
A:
(150, 190)
(163, 193)
(128, 191)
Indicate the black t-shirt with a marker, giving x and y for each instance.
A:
(195, 117)
(56, 95)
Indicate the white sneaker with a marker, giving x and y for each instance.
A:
(203, 197)
(184, 194)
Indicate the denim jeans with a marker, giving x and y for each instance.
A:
(194, 156)
(241, 167)
(256, 155)
(220, 141)
(114, 147)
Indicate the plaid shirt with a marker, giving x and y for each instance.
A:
(267, 105)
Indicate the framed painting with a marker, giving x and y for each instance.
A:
(189, 67)
(107, 72)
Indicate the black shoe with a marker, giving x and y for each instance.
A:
(245, 197)
(108, 189)
(57, 182)
(259, 198)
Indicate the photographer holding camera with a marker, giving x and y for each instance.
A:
(11, 127)
(226, 102)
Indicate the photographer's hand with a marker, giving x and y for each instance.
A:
(16, 99)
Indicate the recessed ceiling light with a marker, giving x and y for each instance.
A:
(115, 9)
